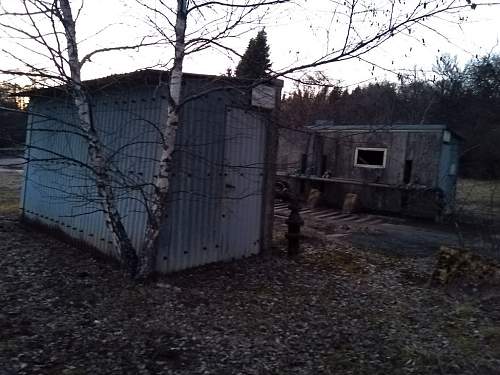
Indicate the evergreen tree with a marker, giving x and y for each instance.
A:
(255, 61)
(12, 124)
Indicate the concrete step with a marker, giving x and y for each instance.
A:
(329, 215)
(282, 212)
(345, 217)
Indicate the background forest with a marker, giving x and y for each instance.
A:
(12, 121)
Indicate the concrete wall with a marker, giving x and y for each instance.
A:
(331, 154)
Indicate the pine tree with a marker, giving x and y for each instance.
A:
(255, 62)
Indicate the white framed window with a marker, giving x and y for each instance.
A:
(370, 157)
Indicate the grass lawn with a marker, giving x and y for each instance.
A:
(479, 196)
(10, 187)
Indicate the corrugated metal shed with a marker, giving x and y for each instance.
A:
(218, 179)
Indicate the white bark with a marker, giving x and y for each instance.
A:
(147, 254)
(114, 222)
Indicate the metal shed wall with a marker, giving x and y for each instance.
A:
(58, 190)
(59, 193)
(210, 156)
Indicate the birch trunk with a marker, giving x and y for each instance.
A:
(121, 240)
(147, 254)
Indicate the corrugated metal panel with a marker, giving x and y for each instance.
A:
(62, 194)
(244, 171)
(207, 220)
(46, 189)
(191, 235)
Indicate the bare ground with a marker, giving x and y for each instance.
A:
(335, 309)
(332, 310)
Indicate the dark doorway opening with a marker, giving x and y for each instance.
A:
(407, 171)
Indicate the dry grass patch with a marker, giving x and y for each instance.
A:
(480, 198)
(10, 187)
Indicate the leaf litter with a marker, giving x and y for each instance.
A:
(334, 309)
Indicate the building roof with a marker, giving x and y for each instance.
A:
(147, 77)
(325, 126)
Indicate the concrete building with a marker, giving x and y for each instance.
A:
(407, 169)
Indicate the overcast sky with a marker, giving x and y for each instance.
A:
(297, 33)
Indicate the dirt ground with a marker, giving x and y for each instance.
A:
(335, 309)
(332, 310)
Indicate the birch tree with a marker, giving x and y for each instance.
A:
(95, 148)
(147, 254)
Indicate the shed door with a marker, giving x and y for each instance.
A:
(243, 183)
